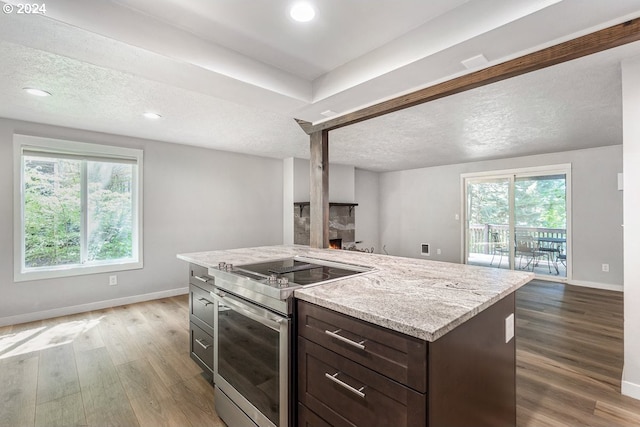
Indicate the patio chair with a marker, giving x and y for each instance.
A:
(528, 248)
(499, 247)
(562, 259)
(553, 252)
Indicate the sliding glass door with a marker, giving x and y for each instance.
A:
(540, 217)
(518, 219)
(488, 217)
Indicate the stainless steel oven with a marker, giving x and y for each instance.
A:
(253, 347)
(251, 362)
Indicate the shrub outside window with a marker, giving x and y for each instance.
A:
(78, 210)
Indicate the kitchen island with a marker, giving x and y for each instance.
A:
(412, 342)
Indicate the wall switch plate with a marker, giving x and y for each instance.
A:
(509, 328)
(113, 280)
(605, 268)
(439, 251)
(457, 217)
(620, 182)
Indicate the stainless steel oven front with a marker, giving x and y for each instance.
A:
(252, 371)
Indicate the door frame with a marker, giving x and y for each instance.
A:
(512, 174)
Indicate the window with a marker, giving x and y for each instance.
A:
(78, 208)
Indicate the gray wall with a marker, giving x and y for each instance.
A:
(631, 136)
(341, 182)
(195, 199)
(419, 206)
(367, 195)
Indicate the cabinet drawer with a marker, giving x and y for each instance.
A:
(202, 348)
(345, 393)
(397, 356)
(307, 418)
(199, 276)
(201, 305)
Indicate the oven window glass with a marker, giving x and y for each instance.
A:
(248, 360)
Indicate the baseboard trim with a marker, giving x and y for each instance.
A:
(82, 308)
(597, 285)
(630, 389)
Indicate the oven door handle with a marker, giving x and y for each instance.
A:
(258, 314)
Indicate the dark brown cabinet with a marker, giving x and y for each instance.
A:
(201, 318)
(349, 394)
(395, 355)
(353, 373)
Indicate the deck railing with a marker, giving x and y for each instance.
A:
(481, 241)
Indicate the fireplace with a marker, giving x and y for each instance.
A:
(335, 243)
(342, 224)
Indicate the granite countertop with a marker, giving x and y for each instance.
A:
(424, 299)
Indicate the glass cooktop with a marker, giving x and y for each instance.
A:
(303, 271)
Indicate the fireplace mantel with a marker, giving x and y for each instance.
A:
(301, 205)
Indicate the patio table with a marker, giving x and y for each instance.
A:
(553, 246)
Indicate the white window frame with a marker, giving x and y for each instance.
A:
(58, 146)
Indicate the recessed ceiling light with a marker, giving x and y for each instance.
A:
(36, 92)
(150, 115)
(302, 12)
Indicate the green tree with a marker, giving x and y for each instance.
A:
(489, 202)
(541, 202)
(53, 211)
(110, 232)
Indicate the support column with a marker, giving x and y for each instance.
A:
(319, 189)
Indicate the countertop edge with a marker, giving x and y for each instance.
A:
(402, 327)
(332, 301)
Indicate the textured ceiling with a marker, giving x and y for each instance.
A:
(570, 106)
(84, 97)
(232, 75)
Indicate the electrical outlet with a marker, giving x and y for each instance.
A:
(113, 280)
(439, 251)
(605, 268)
(509, 328)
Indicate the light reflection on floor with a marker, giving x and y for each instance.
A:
(42, 337)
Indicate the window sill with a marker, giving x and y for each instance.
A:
(75, 270)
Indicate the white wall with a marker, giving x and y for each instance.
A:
(631, 150)
(367, 195)
(419, 206)
(288, 198)
(341, 182)
(195, 199)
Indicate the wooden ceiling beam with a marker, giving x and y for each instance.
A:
(598, 41)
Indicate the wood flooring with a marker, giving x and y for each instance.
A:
(569, 356)
(130, 366)
(124, 366)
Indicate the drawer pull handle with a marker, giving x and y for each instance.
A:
(203, 343)
(335, 335)
(202, 279)
(204, 301)
(357, 391)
